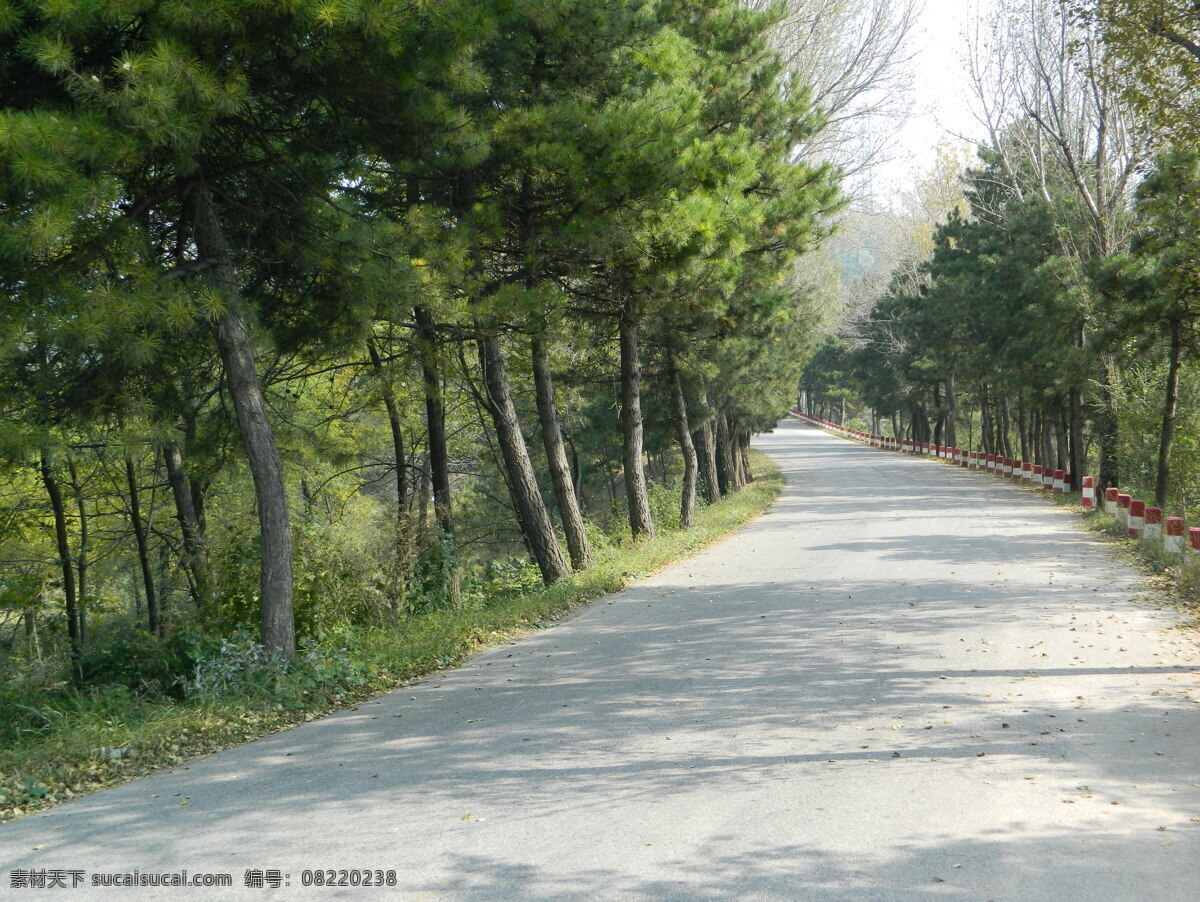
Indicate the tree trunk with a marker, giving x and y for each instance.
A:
(576, 468)
(708, 455)
(726, 463)
(738, 470)
(1060, 436)
(611, 469)
(1005, 427)
(403, 544)
(1048, 437)
(1035, 437)
(82, 560)
(1170, 405)
(63, 544)
(435, 421)
(153, 616)
(531, 510)
(636, 493)
(939, 424)
(435, 416)
(743, 452)
(1022, 426)
(197, 487)
(687, 504)
(236, 348)
(985, 421)
(395, 423)
(1106, 430)
(556, 456)
(738, 474)
(921, 430)
(1076, 459)
(951, 413)
(195, 555)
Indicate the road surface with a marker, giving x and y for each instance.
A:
(907, 682)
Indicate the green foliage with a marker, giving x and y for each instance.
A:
(433, 574)
(664, 504)
(1138, 397)
(1138, 394)
(503, 581)
(56, 743)
(31, 717)
(236, 664)
(320, 206)
(1159, 58)
(123, 655)
(995, 319)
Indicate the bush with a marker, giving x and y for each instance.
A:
(664, 504)
(140, 662)
(239, 664)
(339, 578)
(315, 670)
(63, 710)
(1138, 395)
(433, 574)
(503, 580)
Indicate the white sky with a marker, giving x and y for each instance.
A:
(940, 101)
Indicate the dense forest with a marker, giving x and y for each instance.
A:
(1055, 317)
(319, 315)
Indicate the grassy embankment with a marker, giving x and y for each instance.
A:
(97, 738)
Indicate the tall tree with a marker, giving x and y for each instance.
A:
(1158, 45)
(233, 120)
(1154, 289)
(1048, 89)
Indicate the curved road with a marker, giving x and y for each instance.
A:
(907, 682)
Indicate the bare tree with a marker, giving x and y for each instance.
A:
(852, 55)
(893, 243)
(1047, 91)
(1048, 96)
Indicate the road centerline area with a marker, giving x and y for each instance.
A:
(905, 682)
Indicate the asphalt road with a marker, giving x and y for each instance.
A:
(907, 682)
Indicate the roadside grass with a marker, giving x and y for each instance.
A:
(87, 740)
(1169, 580)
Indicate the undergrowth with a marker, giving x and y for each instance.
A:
(65, 743)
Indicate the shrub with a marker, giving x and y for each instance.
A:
(505, 579)
(664, 504)
(132, 658)
(433, 574)
(239, 664)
